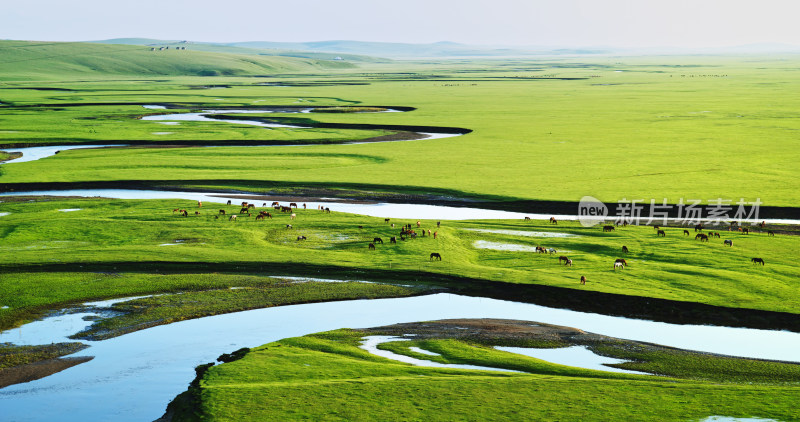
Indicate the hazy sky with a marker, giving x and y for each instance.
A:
(621, 23)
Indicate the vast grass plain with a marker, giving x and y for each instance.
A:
(540, 130)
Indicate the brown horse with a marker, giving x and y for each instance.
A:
(770, 232)
(562, 258)
(435, 255)
(621, 261)
(568, 263)
(393, 239)
(624, 249)
(583, 279)
(527, 218)
(702, 237)
(293, 204)
(608, 228)
(661, 233)
(377, 240)
(541, 249)
(728, 242)
(260, 217)
(553, 220)
(745, 231)
(757, 261)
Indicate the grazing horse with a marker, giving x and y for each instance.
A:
(621, 261)
(293, 216)
(698, 228)
(371, 246)
(745, 231)
(244, 210)
(608, 228)
(583, 279)
(299, 238)
(562, 258)
(686, 232)
(251, 206)
(377, 240)
(286, 209)
(385, 220)
(656, 227)
(244, 204)
(288, 226)
(393, 239)
(197, 213)
(618, 265)
(728, 242)
(702, 237)
(568, 263)
(229, 202)
(293, 204)
(527, 218)
(276, 204)
(757, 261)
(232, 218)
(661, 233)
(184, 213)
(541, 249)
(770, 232)
(553, 220)
(328, 210)
(624, 249)
(435, 255)
(175, 210)
(260, 217)
(551, 251)
(264, 204)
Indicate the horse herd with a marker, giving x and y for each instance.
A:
(406, 232)
(620, 263)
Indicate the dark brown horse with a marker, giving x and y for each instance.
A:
(757, 261)
(608, 228)
(371, 246)
(393, 239)
(770, 232)
(728, 242)
(435, 255)
(583, 279)
(661, 233)
(562, 258)
(624, 249)
(293, 204)
(686, 232)
(377, 240)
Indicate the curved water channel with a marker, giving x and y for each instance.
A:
(173, 119)
(134, 376)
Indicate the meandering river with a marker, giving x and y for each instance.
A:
(134, 376)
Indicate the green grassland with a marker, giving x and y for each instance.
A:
(36, 237)
(647, 128)
(326, 376)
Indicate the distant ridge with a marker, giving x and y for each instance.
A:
(32, 60)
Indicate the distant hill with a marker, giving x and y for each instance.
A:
(401, 50)
(243, 49)
(361, 51)
(31, 60)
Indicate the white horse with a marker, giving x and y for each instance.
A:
(618, 265)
